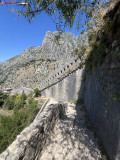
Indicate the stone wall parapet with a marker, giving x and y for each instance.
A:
(31, 141)
(60, 74)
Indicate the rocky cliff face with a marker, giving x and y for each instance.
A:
(35, 63)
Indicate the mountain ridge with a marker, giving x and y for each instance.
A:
(35, 63)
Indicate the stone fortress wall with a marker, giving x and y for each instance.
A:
(29, 144)
(100, 90)
(102, 102)
(31, 141)
(65, 83)
(60, 73)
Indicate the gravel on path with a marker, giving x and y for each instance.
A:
(71, 139)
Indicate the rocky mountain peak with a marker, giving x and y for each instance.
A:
(34, 64)
(59, 44)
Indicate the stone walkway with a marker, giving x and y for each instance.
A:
(71, 140)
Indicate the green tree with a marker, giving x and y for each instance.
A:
(9, 103)
(37, 92)
(63, 12)
(19, 102)
(3, 96)
(32, 108)
(24, 96)
(11, 126)
(15, 102)
(30, 95)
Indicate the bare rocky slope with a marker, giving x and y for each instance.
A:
(35, 63)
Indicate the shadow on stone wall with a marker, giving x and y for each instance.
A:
(81, 106)
(102, 83)
(67, 88)
(102, 103)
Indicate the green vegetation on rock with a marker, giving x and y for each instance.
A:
(25, 110)
(37, 92)
(101, 34)
(115, 96)
(64, 12)
(73, 101)
(3, 96)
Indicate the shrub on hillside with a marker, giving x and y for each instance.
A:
(30, 95)
(19, 102)
(3, 96)
(11, 126)
(9, 103)
(24, 96)
(15, 102)
(37, 92)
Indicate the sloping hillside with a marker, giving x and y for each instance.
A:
(35, 63)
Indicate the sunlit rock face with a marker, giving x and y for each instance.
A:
(60, 45)
(34, 64)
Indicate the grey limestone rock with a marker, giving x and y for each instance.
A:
(34, 64)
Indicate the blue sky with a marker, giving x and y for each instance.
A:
(16, 34)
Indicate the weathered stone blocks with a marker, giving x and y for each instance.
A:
(31, 141)
(104, 111)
